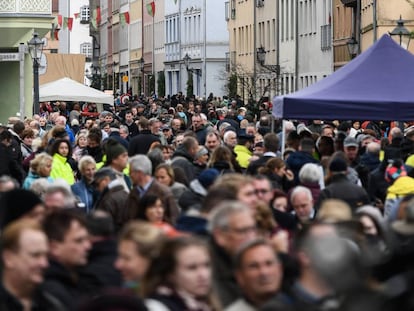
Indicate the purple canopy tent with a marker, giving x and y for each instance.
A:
(376, 85)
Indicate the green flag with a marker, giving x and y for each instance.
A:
(151, 8)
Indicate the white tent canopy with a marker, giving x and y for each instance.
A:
(66, 89)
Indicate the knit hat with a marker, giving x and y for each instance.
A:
(113, 149)
(200, 152)
(395, 170)
(338, 165)
(15, 203)
(208, 177)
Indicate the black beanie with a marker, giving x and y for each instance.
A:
(15, 203)
(113, 149)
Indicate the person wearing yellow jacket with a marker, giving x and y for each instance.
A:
(243, 149)
(402, 186)
(61, 169)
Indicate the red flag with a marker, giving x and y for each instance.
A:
(76, 15)
(70, 23)
(56, 34)
(60, 20)
(98, 15)
(151, 8)
(124, 18)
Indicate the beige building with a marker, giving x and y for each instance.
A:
(252, 28)
(366, 21)
(379, 17)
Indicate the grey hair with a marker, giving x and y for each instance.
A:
(219, 218)
(310, 173)
(85, 160)
(227, 134)
(60, 185)
(141, 162)
(300, 189)
(124, 128)
(6, 178)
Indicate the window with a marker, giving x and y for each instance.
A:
(86, 49)
(326, 37)
(84, 14)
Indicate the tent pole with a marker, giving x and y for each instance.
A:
(283, 136)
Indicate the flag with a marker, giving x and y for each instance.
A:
(96, 17)
(76, 15)
(56, 34)
(151, 8)
(65, 23)
(124, 18)
(70, 23)
(60, 20)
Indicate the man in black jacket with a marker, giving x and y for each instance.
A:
(69, 245)
(141, 143)
(24, 257)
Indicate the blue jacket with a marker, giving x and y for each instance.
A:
(31, 178)
(85, 193)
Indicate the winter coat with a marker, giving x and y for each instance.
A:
(224, 280)
(182, 159)
(63, 285)
(341, 188)
(141, 143)
(32, 177)
(61, 169)
(100, 272)
(41, 301)
(114, 201)
(401, 187)
(193, 197)
(298, 159)
(243, 155)
(85, 193)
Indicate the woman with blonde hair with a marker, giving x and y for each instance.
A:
(40, 167)
(139, 243)
(80, 145)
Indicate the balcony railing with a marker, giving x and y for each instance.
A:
(35, 7)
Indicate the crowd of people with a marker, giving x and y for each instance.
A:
(204, 205)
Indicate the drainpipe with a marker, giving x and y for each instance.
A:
(254, 49)
(278, 82)
(297, 45)
(374, 20)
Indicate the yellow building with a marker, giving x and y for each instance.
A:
(19, 19)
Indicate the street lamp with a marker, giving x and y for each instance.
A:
(142, 65)
(261, 58)
(353, 47)
(36, 49)
(401, 32)
(261, 55)
(187, 60)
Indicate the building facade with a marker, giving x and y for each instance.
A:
(19, 19)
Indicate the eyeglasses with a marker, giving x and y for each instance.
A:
(243, 230)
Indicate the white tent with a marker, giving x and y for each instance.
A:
(66, 89)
